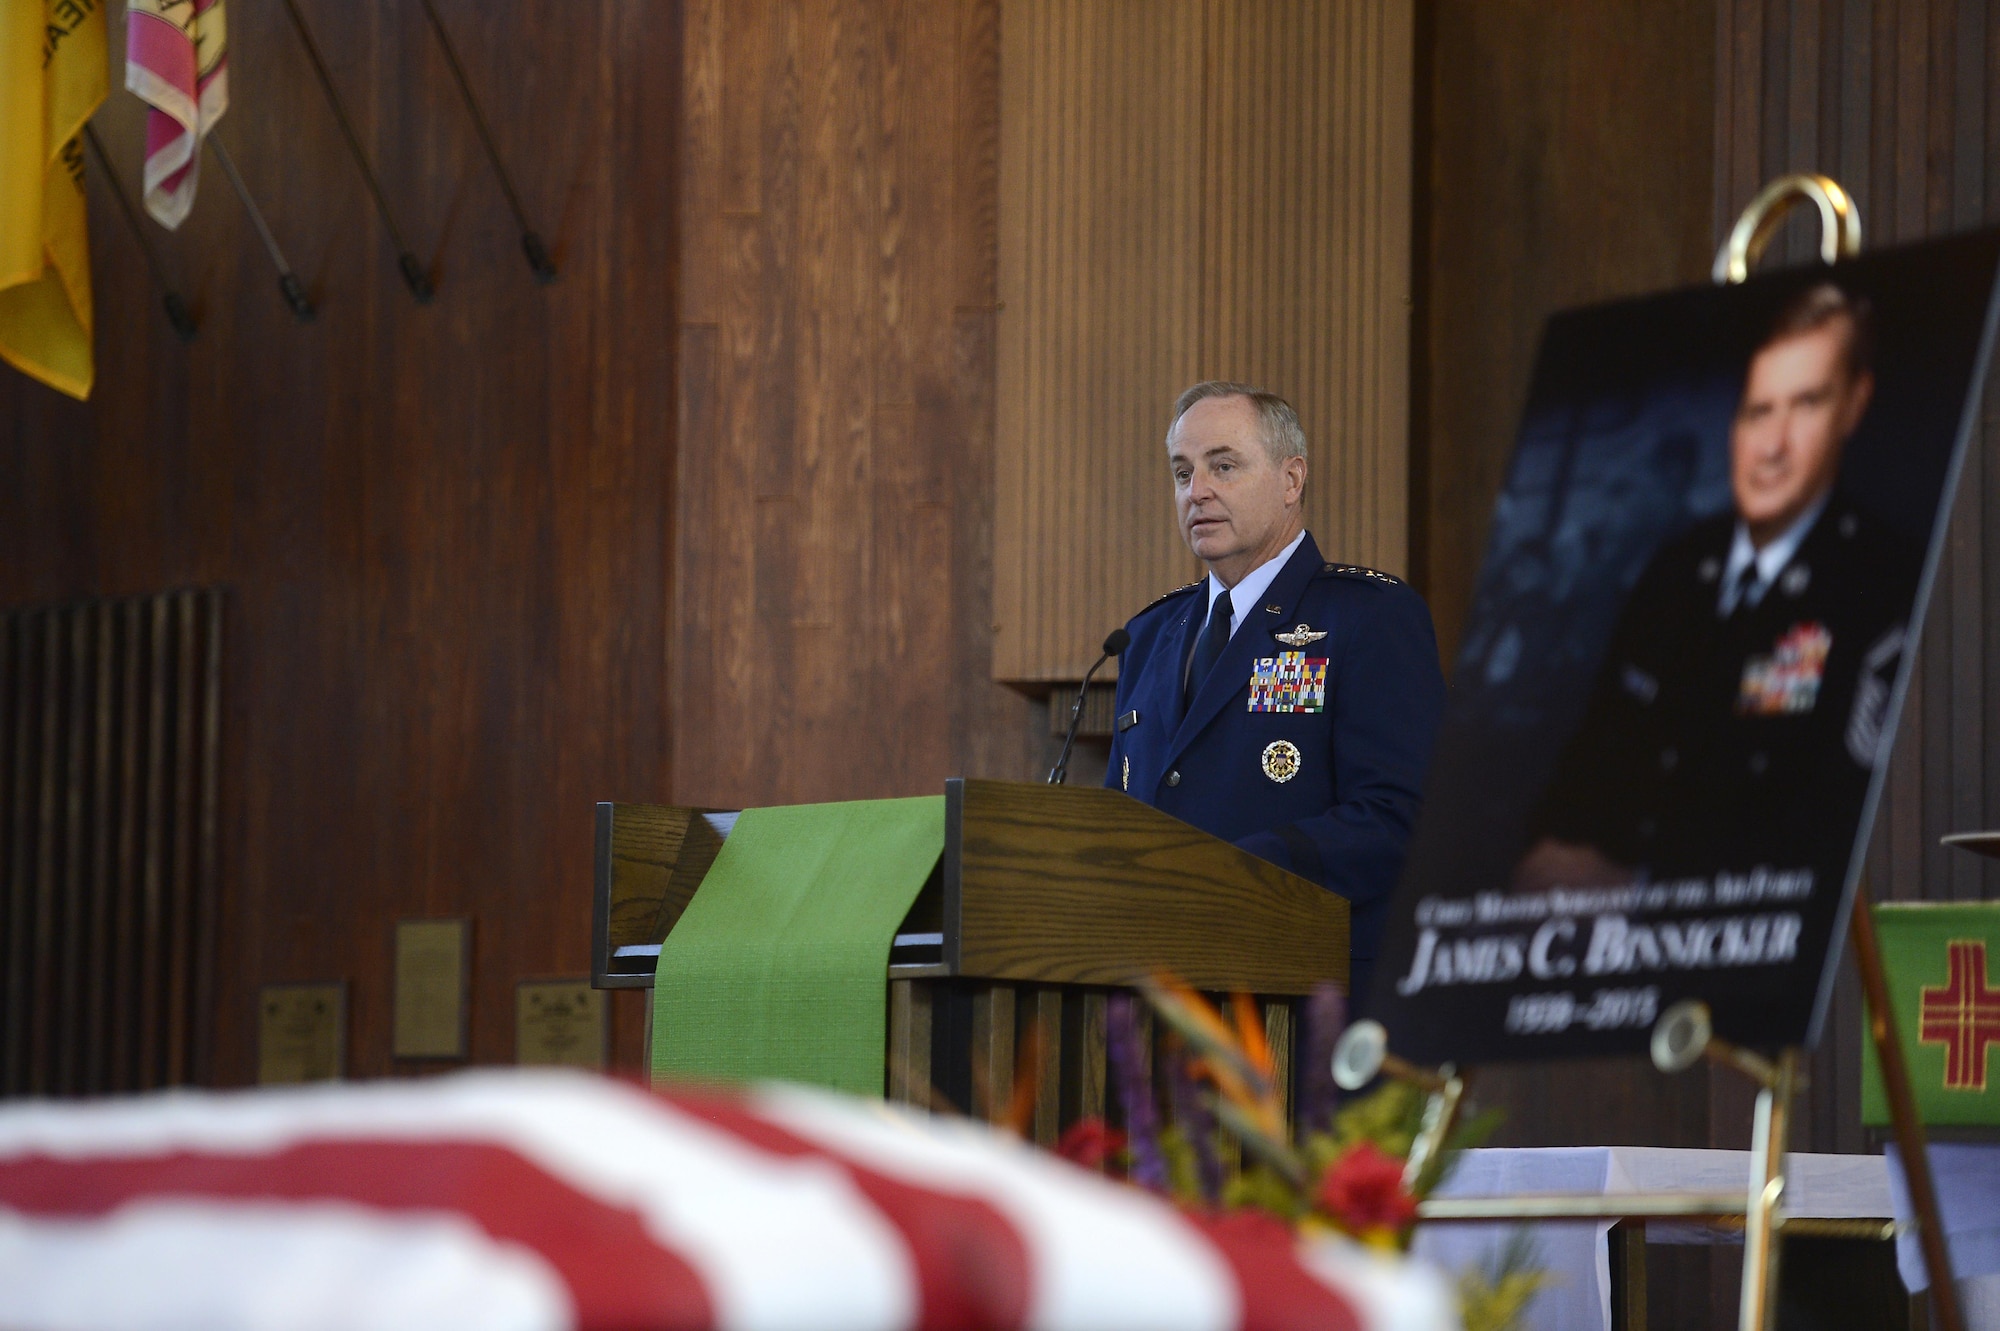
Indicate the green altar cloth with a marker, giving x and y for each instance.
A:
(779, 966)
(1939, 958)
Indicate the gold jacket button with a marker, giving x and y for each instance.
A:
(1173, 778)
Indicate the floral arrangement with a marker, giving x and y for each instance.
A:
(1223, 1142)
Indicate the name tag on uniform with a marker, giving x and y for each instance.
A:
(1288, 682)
(1787, 681)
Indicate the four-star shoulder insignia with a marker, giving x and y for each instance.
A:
(1357, 571)
(1162, 600)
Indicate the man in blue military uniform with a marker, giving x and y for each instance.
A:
(1738, 715)
(1283, 703)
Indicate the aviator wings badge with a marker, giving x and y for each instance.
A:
(1298, 637)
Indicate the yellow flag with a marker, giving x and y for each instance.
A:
(54, 73)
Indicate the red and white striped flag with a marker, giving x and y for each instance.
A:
(177, 61)
(534, 1201)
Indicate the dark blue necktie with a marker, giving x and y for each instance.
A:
(1207, 651)
(1745, 590)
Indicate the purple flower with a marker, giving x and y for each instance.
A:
(1325, 1019)
(1131, 1072)
(1198, 1124)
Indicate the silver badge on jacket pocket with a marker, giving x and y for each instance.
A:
(1281, 760)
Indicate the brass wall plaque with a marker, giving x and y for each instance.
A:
(559, 1022)
(433, 961)
(301, 1033)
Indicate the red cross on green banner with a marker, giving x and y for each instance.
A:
(1947, 1011)
(1963, 1015)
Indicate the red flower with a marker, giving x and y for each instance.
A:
(1363, 1190)
(1089, 1142)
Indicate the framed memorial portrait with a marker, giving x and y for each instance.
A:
(1672, 710)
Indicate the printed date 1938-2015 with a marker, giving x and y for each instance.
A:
(1605, 1010)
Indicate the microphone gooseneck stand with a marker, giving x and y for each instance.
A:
(1113, 645)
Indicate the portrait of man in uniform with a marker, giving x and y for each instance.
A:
(1284, 702)
(1739, 708)
(1676, 683)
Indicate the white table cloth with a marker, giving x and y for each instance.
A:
(1967, 1177)
(1578, 1254)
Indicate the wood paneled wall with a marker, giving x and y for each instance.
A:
(442, 531)
(1900, 102)
(1568, 161)
(833, 621)
(109, 756)
(1190, 190)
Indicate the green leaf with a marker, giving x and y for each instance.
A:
(1183, 1168)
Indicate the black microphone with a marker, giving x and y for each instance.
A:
(1113, 645)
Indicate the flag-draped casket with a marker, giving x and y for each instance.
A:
(543, 1199)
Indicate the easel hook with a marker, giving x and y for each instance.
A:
(1839, 221)
(1684, 1035)
(1362, 1053)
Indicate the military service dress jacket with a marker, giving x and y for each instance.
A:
(1308, 742)
(1724, 742)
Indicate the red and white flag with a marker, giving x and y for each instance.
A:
(543, 1201)
(177, 61)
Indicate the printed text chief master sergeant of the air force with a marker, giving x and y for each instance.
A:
(1283, 703)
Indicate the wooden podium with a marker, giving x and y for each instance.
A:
(1045, 900)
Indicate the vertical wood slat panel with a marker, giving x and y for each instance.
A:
(1907, 116)
(66, 1053)
(993, 1019)
(15, 908)
(124, 967)
(180, 892)
(207, 899)
(1280, 1021)
(1190, 190)
(151, 1013)
(1046, 1014)
(98, 1011)
(1090, 1055)
(909, 1071)
(109, 749)
(43, 934)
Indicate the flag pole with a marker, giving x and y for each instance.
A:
(414, 276)
(531, 241)
(1903, 1111)
(178, 313)
(289, 285)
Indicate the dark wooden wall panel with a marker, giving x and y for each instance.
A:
(834, 625)
(1567, 149)
(445, 531)
(1900, 102)
(108, 893)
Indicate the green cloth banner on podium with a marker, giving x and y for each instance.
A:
(779, 966)
(1940, 960)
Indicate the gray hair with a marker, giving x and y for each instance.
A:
(1284, 437)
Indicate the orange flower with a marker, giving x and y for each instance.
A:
(1363, 1190)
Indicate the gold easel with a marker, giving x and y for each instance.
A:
(1683, 1036)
